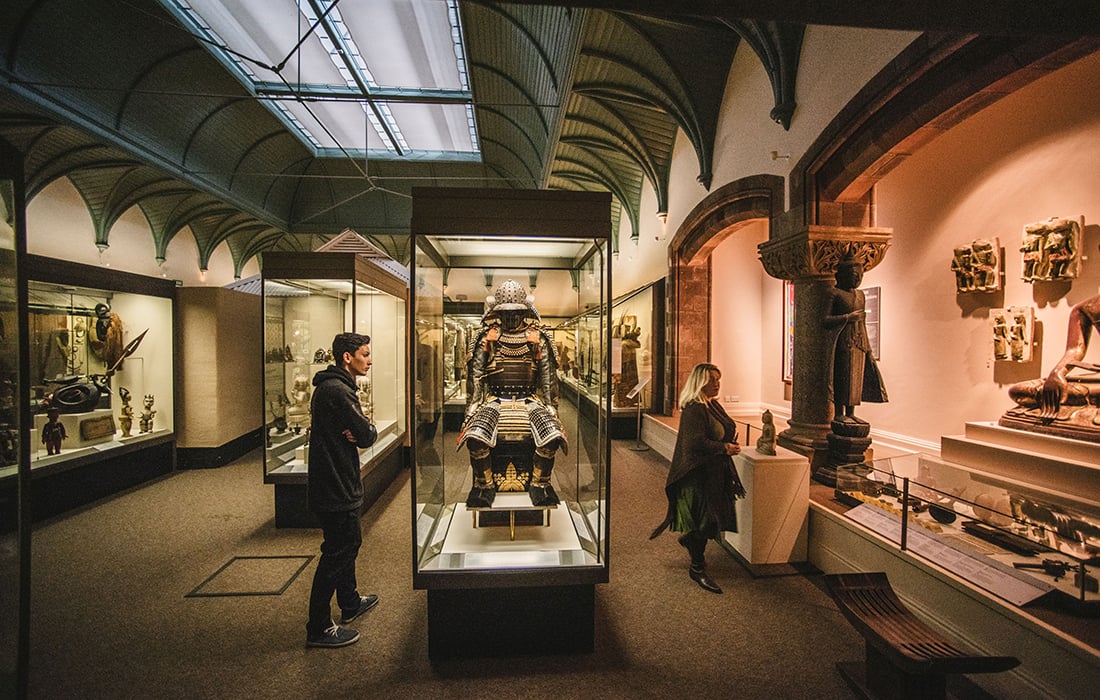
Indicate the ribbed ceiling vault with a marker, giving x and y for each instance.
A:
(119, 98)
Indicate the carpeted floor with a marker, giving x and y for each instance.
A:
(111, 617)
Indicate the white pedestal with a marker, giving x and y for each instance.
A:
(772, 518)
(72, 422)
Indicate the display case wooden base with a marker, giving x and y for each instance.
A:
(481, 622)
(292, 506)
(78, 482)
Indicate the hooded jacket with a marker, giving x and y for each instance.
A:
(335, 482)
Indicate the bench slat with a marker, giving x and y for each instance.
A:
(868, 601)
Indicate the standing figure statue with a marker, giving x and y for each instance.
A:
(1031, 248)
(512, 393)
(855, 376)
(53, 432)
(145, 424)
(960, 265)
(1000, 336)
(126, 413)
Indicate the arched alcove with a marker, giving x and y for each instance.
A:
(719, 215)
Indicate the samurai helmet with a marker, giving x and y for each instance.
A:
(510, 296)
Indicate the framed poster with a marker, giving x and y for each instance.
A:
(788, 330)
(871, 296)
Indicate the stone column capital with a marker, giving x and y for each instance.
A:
(815, 252)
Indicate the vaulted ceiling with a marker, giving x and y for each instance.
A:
(129, 105)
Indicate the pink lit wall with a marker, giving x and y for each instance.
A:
(1030, 156)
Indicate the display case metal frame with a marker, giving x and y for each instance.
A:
(545, 604)
(378, 469)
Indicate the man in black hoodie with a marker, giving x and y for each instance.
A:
(335, 490)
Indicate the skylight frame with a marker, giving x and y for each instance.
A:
(287, 94)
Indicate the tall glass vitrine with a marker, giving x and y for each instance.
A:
(14, 474)
(308, 299)
(512, 494)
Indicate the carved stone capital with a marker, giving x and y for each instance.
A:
(815, 252)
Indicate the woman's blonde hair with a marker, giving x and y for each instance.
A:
(693, 387)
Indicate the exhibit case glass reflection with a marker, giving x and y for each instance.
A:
(637, 330)
(1018, 541)
(308, 298)
(513, 489)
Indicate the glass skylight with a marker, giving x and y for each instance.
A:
(381, 78)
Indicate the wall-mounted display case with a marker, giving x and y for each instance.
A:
(308, 299)
(1017, 541)
(637, 332)
(523, 500)
(101, 380)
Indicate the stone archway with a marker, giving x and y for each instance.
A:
(720, 214)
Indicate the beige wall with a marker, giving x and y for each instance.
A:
(220, 361)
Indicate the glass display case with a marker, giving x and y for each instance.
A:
(308, 298)
(15, 528)
(100, 370)
(636, 333)
(452, 534)
(513, 490)
(1020, 542)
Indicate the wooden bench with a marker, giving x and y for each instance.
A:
(905, 657)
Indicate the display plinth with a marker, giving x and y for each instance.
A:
(772, 518)
(488, 622)
(1066, 466)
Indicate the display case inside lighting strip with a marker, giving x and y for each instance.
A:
(308, 299)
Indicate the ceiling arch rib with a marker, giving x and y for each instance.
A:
(530, 42)
(609, 130)
(184, 215)
(96, 186)
(778, 45)
(116, 191)
(514, 125)
(587, 175)
(255, 146)
(58, 157)
(247, 244)
(623, 181)
(597, 169)
(507, 149)
(521, 60)
(210, 230)
(640, 92)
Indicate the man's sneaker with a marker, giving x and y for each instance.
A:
(334, 636)
(365, 603)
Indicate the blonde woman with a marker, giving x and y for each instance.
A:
(702, 481)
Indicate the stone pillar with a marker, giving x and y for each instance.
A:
(809, 259)
(688, 341)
